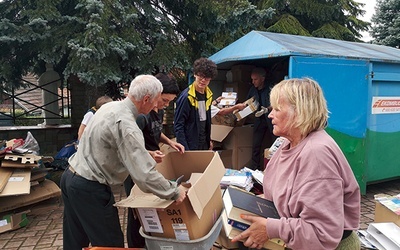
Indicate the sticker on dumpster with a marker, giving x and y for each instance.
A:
(181, 232)
(385, 105)
(150, 220)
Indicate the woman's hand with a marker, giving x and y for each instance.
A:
(256, 235)
(177, 146)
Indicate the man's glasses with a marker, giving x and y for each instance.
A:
(202, 78)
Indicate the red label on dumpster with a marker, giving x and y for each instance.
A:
(385, 105)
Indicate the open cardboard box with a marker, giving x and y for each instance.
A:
(195, 216)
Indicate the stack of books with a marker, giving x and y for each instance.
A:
(238, 201)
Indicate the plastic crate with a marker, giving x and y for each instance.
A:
(205, 242)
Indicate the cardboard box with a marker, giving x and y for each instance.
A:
(384, 214)
(228, 99)
(237, 139)
(252, 106)
(11, 222)
(226, 157)
(195, 216)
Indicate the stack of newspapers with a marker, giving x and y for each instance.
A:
(238, 178)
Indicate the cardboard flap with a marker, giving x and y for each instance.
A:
(143, 201)
(202, 191)
(5, 174)
(18, 183)
(219, 132)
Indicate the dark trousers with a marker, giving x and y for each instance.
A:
(261, 131)
(89, 214)
(135, 240)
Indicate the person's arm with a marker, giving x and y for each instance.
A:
(85, 121)
(228, 110)
(141, 167)
(181, 115)
(80, 131)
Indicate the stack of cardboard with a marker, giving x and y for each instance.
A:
(22, 187)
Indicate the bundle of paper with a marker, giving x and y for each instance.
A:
(238, 178)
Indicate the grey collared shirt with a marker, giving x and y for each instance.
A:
(112, 147)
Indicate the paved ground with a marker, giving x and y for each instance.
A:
(44, 230)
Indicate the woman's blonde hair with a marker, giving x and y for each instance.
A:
(307, 100)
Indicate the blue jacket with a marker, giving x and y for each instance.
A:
(187, 120)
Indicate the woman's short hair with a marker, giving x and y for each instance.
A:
(102, 100)
(144, 85)
(169, 83)
(308, 102)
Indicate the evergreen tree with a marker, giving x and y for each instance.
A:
(336, 19)
(101, 42)
(386, 23)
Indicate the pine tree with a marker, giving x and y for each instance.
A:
(386, 23)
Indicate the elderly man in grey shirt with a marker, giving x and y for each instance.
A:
(111, 148)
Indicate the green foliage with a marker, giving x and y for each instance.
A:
(112, 41)
(103, 42)
(288, 24)
(334, 30)
(386, 23)
(335, 19)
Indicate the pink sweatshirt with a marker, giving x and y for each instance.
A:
(315, 192)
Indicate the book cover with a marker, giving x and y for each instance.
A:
(238, 225)
(237, 201)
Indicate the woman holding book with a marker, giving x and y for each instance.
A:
(308, 178)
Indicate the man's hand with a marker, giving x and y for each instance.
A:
(182, 195)
(256, 235)
(157, 155)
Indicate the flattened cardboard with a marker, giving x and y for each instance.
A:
(45, 190)
(20, 161)
(5, 174)
(198, 212)
(18, 183)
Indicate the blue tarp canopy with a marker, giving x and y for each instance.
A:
(262, 45)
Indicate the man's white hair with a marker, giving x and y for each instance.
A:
(144, 85)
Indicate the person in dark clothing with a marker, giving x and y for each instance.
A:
(192, 121)
(151, 126)
(262, 124)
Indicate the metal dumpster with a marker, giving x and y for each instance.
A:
(361, 83)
